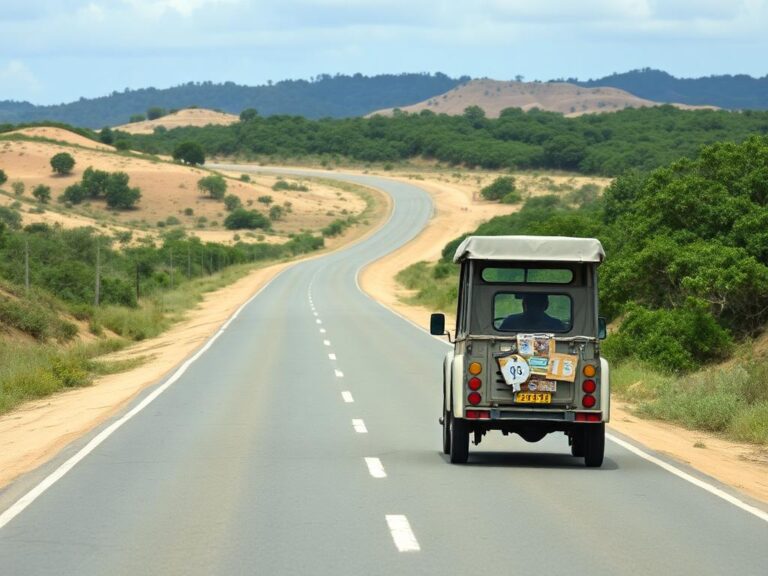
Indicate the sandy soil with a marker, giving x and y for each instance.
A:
(168, 191)
(61, 135)
(495, 95)
(186, 117)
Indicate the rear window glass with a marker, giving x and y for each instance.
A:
(532, 312)
(528, 275)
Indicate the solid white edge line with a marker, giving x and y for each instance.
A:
(331, 356)
(19, 506)
(402, 534)
(346, 395)
(688, 478)
(375, 468)
(359, 426)
(338, 373)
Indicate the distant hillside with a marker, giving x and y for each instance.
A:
(732, 92)
(326, 96)
(494, 96)
(186, 117)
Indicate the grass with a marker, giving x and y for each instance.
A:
(434, 286)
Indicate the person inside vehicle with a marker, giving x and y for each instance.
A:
(534, 317)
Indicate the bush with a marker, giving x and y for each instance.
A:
(118, 193)
(62, 163)
(231, 202)
(265, 200)
(189, 153)
(500, 188)
(276, 213)
(74, 194)
(18, 187)
(3, 177)
(285, 185)
(214, 185)
(249, 219)
(42, 193)
(10, 218)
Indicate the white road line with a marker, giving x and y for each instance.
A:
(316, 314)
(19, 506)
(359, 426)
(403, 536)
(375, 467)
(319, 321)
(331, 356)
(327, 342)
(347, 396)
(688, 478)
(322, 330)
(339, 373)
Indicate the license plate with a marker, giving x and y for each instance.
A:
(533, 397)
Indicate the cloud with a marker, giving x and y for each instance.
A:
(17, 80)
(186, 8)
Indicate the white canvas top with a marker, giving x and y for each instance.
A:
(531, 248)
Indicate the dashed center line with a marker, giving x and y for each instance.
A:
(327, 342)
(359, 426)
(403, 536)
(375, 467)
(339, 373)
(319, 321)
(322, 330)
(331, 356)
(315, 313)
(347, 396)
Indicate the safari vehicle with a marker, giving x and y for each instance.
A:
(526, 355)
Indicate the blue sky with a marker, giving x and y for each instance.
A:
(52, 54)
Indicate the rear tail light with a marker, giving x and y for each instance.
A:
(589, 371)
(474, 398)
(475, 368)
(477, 413)
(588, 401)
(584, 417)
(474, 383)
(589, 386)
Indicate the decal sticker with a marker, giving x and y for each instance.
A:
(562, 367)
(542, 385)
(514, 370)
(539, 365)
(525, 344)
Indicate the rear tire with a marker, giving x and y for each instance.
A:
(446, 432)
(459, 441)
(577, 443)
(594, 445)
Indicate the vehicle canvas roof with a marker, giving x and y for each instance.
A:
(531, 249)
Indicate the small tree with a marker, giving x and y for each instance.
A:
(42, 193)
(119, 194)
(503, 188)
(137, 118)
(75, 194)
(250, 219)
(155, 112)
(3, 177)
(231, 202)
(265, 200)
(18, 187)
(106, 136)
(189, 153)
(214, 185)
(276, 212)
(62, 163)
(248, 114)
(95, 182)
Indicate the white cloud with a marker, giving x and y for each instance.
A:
(17, 80)
(186, 8)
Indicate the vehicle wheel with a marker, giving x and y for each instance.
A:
(577, 443)
(446, 432)
(594, 445)
(459, 441)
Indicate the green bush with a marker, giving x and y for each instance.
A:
(62, 163)
(501, 187)
(241, 218)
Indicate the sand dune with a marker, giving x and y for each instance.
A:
(186, 117)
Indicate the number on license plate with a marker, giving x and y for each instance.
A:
(533, 397)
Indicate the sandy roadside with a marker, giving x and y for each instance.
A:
(38, 430)
(742, 466)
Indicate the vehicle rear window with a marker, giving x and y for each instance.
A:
(528, 275)
(532, 312)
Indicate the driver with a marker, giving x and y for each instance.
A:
(534, 317)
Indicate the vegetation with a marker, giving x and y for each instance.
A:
(502, 188)
(113, 187)
(188, 152)
(3, 177)
(240, 218)
(42, 193)
(606, 144)
(282, 184)
(214, 185)
(62, 163)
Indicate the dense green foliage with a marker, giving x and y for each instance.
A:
(725, 91)
(188, 152)
(3, 177)
(112, 186)
(607, 144)
(42, 193)
(323, 96)
(240, 218)
(62, 163)
(502, 188)
(214, 185)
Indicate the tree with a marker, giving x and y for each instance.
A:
(231, 202)
(189, 153)
(42, 193)
(3, 177)
(119, 194)
(214, 185)
(62, 163)
(248, 114)
(95, 182)
(265, 200)
(155, 112)
(137, 118)
(75, 193)
(106, 136)
(502, 188)
(250, 219)
(276, 212)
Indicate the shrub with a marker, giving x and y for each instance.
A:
(74, 194)
(265, 200)
(189, 153)
(214, 185)
(245, 178)
(250, 219)
(284, 185)
(231, 202)
(10, 218)
(62, 163)
(18, 187)
(276, 213)
(3, 177)
(499, 188)
(42, 193)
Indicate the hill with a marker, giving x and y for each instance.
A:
(725, 91)
(324, 96)
(493, 96)
(186, 117)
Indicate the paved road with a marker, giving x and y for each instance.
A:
(305, 441)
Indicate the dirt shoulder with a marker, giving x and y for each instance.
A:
(742, 466)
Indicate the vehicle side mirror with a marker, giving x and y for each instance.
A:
(602, 329)
(437, 324)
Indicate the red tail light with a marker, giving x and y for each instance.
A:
(474, 383)
(477, 414)
(589, 386)
(584, 417)
(588, 401)
(474, 398)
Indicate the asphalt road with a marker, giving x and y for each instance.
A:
(304, 440)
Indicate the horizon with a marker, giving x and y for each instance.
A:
(93, 48)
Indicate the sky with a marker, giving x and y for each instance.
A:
(53, 51)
